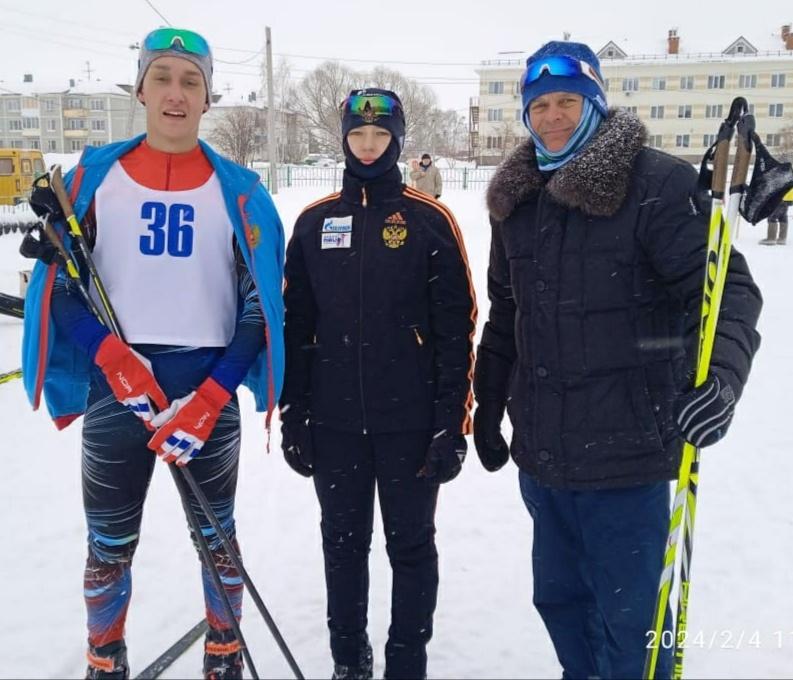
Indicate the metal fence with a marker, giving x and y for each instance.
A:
(310, 176)
(16, 218)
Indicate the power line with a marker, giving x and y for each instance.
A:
(159, 14)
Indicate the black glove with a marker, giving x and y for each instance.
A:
(445, 457)
(40, 248)
(704, 414)
(296, 441)
(490, 445)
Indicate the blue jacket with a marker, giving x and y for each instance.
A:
(53, 364)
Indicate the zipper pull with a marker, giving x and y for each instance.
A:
(363, 193)
(418, 337)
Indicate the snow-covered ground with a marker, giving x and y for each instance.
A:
(741, 608)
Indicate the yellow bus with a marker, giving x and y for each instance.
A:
(18, 169)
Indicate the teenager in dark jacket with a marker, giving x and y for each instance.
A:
(597, 265)
(380, 316)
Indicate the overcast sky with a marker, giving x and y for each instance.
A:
(54, 39)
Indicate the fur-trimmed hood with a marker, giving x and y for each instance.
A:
(594, 182)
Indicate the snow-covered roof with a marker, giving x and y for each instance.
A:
(35, 88)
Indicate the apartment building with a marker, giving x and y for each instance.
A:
(66, 119)
(680, 96)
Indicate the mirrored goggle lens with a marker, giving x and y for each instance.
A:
(370, 106)
(175, 38)
(559, 66)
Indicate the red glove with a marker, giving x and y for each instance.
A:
(185, 426)
(130, 377)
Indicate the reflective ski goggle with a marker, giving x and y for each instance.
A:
(177, 38)
(370, 107)
(559, 66)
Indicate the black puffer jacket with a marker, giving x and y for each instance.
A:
(379, 331)
(595, 283)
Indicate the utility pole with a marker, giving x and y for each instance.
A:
(271, 142)
(133, 99)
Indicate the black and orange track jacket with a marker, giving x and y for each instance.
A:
(380, 312)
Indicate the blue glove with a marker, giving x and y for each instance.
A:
(704, 414)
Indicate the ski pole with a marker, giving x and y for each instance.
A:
(179, 477)
(56, 183)
(180, 484)
(688, 478)
(10, 305)
(737, 186)
(11, 375)
(237, 561)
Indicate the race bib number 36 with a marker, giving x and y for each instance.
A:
(170, 229)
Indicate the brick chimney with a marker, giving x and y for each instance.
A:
(673, 42)
(787, 37)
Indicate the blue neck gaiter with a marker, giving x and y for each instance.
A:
(590, 121)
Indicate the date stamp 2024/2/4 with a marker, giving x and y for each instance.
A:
(723, 639)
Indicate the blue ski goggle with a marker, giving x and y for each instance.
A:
(560, 66)
(177, 39)
(370, 107)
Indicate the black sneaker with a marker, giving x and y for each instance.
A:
(363, 671)
(222, 656)
(108, 662)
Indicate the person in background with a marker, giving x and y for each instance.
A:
(426, 177)
(597, 263)
(190, 249)
(380, 316)
(777, 223)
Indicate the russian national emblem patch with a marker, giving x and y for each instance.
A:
(395, 231)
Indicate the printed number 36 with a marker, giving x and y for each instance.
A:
(168, 229)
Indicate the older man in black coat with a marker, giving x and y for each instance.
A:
(597, 265)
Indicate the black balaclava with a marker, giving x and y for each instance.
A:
(394, 123)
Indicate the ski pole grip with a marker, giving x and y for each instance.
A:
(720, 160)
(56, 181)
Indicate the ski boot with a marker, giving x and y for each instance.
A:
(363, 671)
(108, 662)
(222, 656)
(770, 239)
(782, 238)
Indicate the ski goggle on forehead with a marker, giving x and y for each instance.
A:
(370, 107)
(179, 39)
(559, 66)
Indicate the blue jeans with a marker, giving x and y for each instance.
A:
(597, 559)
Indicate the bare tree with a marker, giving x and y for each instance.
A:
(238, 134)
(318, 97)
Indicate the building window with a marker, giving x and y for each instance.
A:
(52, 145)
(74, 103)
(714, 110)
(708, 140)
(684, 111)
(493, 142)
(657, 112)
(682, 141)
(13, 105)
(777, 80)
(715, 82)
(30, 103)
(518, 115)
(495, 114)
(630, 84)
(659, 83)
(52, 125)
(686, 82)
(747, 81)
(34, 144)
(96, 142)
(16, 143)
(75, 124)
(630, 109)
(495, 87)
(655, 141)
(15, 124)
(775, 110)
(77, 144)
(773, 140)
(29, 123)
(751, 109)
(98, 125)
(97, 105)
(48, 105)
